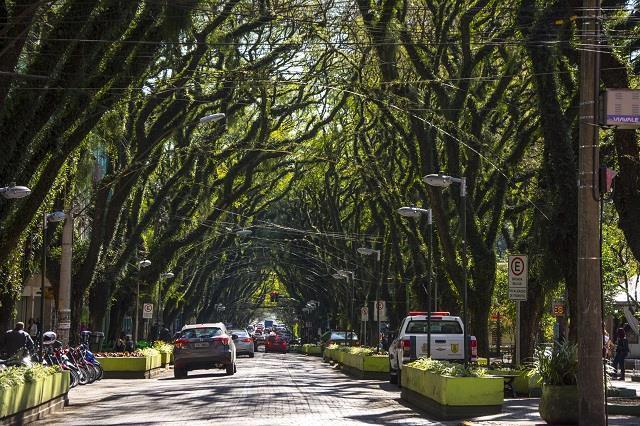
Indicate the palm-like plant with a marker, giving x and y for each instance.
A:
(558, 366)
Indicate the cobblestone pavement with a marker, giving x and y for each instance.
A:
(270, 389)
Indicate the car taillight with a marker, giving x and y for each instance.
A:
(473, 345)
(181, 343)
(247, 340)
(222, 340)
(406, 346)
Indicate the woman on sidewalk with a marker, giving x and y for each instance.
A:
(622, 351)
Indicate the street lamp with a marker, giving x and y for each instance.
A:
(244, 232)
(163, 276)
(416, 212)
(46, 219)
(344, 275)
(12, 192)
(444, 181)
(141, 264)
(366, 251)
(213, 117)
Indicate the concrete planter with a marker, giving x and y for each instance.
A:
(373, 363)
(559, 404)
(310, 349)
(32, 400)
(131, 367)
(523, 384)
(452, 397)
(165, 358)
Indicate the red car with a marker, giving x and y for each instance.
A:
(275, 344)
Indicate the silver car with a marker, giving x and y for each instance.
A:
(203, 346)
(244, 343)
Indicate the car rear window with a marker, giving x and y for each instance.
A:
(240, 333)
(437, 326)
(343, 335)
(201, 333)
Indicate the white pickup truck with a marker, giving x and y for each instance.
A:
(447, 338)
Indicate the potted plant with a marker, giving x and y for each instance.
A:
(557, 368)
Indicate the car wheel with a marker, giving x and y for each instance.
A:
(179, 373)
(231, 368)
(399, 378)
(251, 355)
(235, 368)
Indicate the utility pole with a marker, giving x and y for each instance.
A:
(589, 313)
(64, 291)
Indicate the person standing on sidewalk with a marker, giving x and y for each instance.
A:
(622, 351)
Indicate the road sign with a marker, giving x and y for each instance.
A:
(380, 306)
(518, 276)
(364, 313)
(558, 309)
(147, 310)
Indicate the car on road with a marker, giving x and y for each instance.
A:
(339, 338)
(447, 337)
(243, 342)
(275, 343)
(204, 346)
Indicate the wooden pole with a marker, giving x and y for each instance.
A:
(589, 321)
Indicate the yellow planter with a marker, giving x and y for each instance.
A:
(371, 363)
(125, 363)
(311, 349)
(454, 391)
(31, 394)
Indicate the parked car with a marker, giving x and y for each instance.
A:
(204, 346)
(275, 344)
(244, 343)
(339, 338)
(447, 339)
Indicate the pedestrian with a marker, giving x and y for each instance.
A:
(622, 351)
(16, 339)
(119, 345)
(32, 329)
(130, 346)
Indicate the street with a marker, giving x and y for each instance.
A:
(270, 389)
(282, 389)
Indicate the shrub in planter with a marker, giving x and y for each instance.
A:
(558, 369)
(22, 388)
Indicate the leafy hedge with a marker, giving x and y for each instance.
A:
(163, 347)
(148, 352)
(444, 368)
(13, 376)
(358, 350)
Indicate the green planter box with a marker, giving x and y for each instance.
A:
(165, 358)
(372, 363)
(311, 349)
(452, 397)
(523, 384)
(130, 367)
(22, 398)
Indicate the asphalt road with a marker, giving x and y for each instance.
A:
(270, 389)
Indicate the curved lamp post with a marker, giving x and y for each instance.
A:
(212, 118)
(444, 181)
(163, 276)
(12, 192)
(366, 251)
(416, 212)
(141, 264)
(46, 219)
(244, 232)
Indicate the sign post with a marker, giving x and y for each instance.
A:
(518, 277)
(147, 311)
(364, 318)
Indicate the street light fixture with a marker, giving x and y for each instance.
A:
(416, 212)
(244, 232)
(213, 117)
(12, 192)
(366, 251)
(141, 264)
(444, 181)
(47, 218)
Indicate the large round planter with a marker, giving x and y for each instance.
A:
(559, 404)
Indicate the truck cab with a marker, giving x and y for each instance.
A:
(447, 337)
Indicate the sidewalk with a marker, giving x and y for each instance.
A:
(524, 411)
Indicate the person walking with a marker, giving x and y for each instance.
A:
(622, 351)
(32, 328)
(16, 339)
